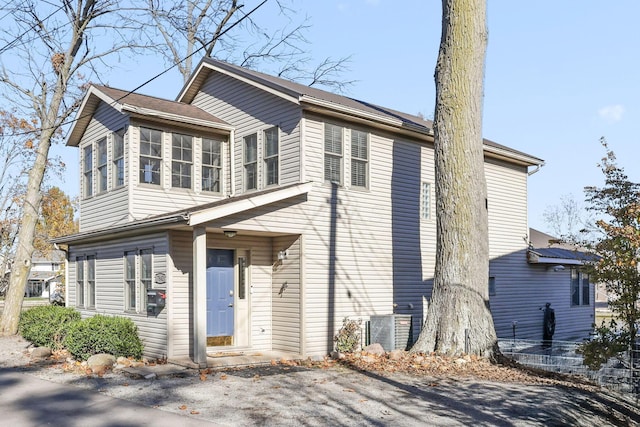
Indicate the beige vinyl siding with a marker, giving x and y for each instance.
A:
(252, 110)
(180, 321)
(110, 208)
(148, 199)
(286, 295)
(110, 286)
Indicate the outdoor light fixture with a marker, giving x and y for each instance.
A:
(230, 233)
(556, 268)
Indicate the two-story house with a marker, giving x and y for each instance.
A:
(263, 212)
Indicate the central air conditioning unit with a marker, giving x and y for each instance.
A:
(391, 331)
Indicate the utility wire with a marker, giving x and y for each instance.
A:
(40, 21)
(146, 82)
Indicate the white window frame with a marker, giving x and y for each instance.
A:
(117, 162)
(87, 170)
(182, 161)
(137, 285)
(102, 163)
(358, 160)
(148, 158)
(271, 158)
(250, 164)
(425, 200)
(333, 153)
(211, 168)
(80, 281)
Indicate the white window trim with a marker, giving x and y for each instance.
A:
(276, 156)
(340, 156)
(425, 214)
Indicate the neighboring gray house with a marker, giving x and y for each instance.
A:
(266, 212)
(555, 276)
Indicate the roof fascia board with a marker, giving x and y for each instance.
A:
(197, 218)
(498, 152)
(137, 225)
(546, 260)
(282, 93)
(349, 111)
(146, 112)
(92, 92)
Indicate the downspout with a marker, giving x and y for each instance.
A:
(232, 169)
(538, 166)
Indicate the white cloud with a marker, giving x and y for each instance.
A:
(611, 113)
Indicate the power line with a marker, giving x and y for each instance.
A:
(146, 82)
(37, 24)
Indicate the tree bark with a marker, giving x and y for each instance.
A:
(458, 319)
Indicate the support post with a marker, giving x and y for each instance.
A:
(199, 296)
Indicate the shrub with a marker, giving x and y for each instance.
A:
(47, 325)
(104, 334)
(348, 337)
(607, 343)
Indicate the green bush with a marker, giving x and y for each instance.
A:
(607, 343)
(348, 337)
(47, 325)
(103, 334)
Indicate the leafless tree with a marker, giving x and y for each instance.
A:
(458, 319)
(569, 220)
(194, 29)
(49, 52)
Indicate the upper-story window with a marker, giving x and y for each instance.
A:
(150, 155)
(270, 154)
(211, 165)
(87, 169)
(182, 160)
(118, 159)
(101, 164)
(251, 162)
(359, 158)
(333, 153)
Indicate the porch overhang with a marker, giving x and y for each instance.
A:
(216, 212)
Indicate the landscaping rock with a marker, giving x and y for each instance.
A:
(375, 348)
(40, 353)
(396, 354)
(100, 363)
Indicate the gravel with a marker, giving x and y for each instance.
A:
(337, 395)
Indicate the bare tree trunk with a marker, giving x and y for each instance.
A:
(458, 318)
(22, 264)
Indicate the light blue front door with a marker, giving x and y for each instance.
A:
(219, 292)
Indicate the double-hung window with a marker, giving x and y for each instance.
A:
(182, 160)
(579, 288)
(87, 169)
(270, 154)
(138, 274)
(332, 153)
(86, 281)
(91, 282)
(150, 155)
(130, 281)
(250, 162)
(80, 281)
(211, 165)
(359, 158)
(101, 164)
(118, 159)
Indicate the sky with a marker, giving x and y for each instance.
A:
(559, 76)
